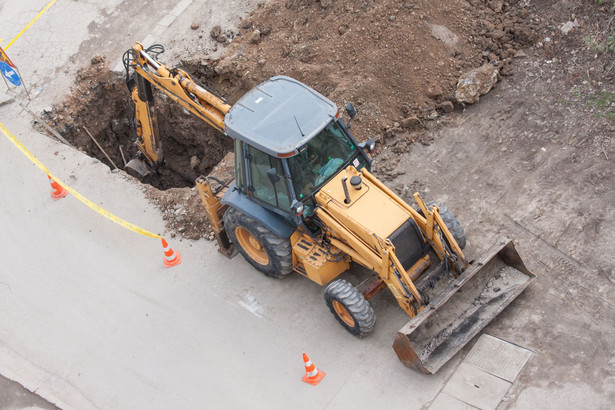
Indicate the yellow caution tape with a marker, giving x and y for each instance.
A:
(76, 194)
(32, 22)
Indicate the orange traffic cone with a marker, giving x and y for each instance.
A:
(312, 375)
(171, 258)
(58, 190)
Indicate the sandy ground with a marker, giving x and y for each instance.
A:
(500, 168)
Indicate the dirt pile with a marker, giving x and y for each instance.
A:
(392, 59)
(397, 61)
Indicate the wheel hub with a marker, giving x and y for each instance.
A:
(252, 246)
(343, 313)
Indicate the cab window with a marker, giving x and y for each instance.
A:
(262, 189)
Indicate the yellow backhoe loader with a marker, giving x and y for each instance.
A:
(304, 200)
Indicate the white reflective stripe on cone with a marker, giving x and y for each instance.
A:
(312, 373)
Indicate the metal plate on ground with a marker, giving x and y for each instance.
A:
(498, 357)
(476, 387)
(447, 402)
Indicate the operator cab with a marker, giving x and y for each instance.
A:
(289, 142)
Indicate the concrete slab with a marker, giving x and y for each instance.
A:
(476, 387)
(498, 357)
(181, 7)
(14, 396)
(447, 402)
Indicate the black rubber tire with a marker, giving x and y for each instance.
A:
(452, 223)
(355, 304)
(279, 250)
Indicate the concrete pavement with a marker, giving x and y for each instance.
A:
(92, 319)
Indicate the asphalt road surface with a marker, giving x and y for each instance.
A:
(92, 319)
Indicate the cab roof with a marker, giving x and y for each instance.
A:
(279, 116)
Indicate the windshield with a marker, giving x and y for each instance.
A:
(322, 157)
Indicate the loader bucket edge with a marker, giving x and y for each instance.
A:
(463, 309)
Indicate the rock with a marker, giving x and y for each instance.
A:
(496, 5)
(304, 54)
(524, 34)
(343, 29)
(567, 27)
(97, 60)
(412, 123)
(434, 92)
(194, 26)
(194, 162)
(433, 115)
(496, 34)
(215, 32)
(446, 106)
(326, 3)
(265, 30)
(507, 69)
(520, 54)
(255, 37)
(475, 83)
(489, 26)
(444, 35)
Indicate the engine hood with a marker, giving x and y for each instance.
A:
(369, 211)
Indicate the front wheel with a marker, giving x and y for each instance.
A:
(266, 251)
(452, 223)
(350, 308)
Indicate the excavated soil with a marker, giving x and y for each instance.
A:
(100, 104)
(398, 62)
(391, 59)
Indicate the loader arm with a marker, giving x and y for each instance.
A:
(349, 231)
(144, 70)
(378, 256)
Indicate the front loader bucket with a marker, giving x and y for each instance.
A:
(463, 309)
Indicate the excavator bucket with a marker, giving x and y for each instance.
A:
(462, 309)
(137, 168)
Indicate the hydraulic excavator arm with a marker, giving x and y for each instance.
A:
(144, 70)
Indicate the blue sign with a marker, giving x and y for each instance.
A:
(10, 74)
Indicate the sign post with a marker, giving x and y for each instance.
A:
(10, 72)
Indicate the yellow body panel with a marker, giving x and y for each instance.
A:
(370, 208)
(311, 259)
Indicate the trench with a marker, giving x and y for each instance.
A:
(100, 103)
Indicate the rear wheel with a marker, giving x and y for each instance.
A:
(266, 251)
(350, 308)
(451, 223)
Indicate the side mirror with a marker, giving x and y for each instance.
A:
(273, 176)
(350, 110)
(369, 145)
